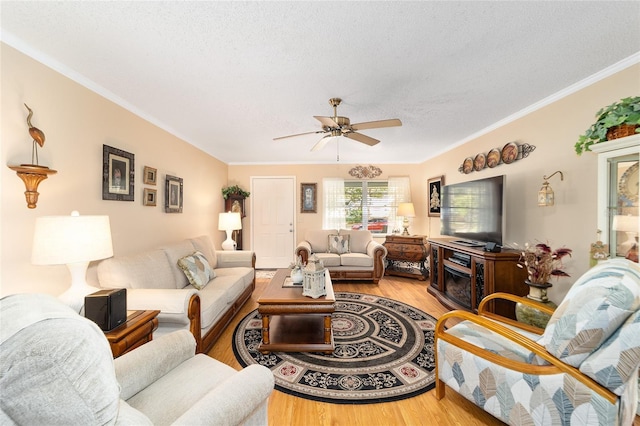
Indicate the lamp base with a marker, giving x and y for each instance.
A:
(74, 295)
(405, 225)
(229, 244)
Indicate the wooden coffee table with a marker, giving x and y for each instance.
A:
(292, 322)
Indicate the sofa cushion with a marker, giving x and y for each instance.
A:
(356, 259)
(338, 244)
(618, 358)
(197, 269)
(358, 240)
(204, 245)
(213, 302)
(329, 259)
(144, 270)
(245, 274)
(318, 239)
(175, 252)
(595, 306)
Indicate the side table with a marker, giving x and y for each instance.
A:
(136, 331)
(406, 256)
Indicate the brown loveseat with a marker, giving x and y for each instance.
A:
(348, 255)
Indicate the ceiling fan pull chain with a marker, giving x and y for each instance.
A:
(338, 154)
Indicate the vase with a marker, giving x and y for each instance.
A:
(529, 314)
(296, 275)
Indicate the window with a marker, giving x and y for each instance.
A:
(368, 204)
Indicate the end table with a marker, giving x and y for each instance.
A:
(406, 256)
(136, 331)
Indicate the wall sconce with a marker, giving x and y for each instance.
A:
(33, 174)
(545, 195)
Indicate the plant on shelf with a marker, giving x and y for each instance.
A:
(625, 113)
(542, 263)
(235, 189)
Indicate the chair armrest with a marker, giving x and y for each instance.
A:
(233, 400)
(144, 365)
(483, 310)
(556, 366)
(304, 251)
(235, 258)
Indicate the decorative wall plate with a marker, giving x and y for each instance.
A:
(628, 185)
(479, 162)
(467, 166)
(509, 153)
(493, 158)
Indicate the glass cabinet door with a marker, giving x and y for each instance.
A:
(618, 195)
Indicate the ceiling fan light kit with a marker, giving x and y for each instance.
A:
(341, 126)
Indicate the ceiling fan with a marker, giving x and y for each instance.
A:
(341, 126)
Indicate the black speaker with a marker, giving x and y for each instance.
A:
(493, 247)
(107, 308)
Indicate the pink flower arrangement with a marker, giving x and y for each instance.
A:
(542, 263)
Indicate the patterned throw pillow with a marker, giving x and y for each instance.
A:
(197, 269)
(339, 244)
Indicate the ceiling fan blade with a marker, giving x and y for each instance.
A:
(377, 124)
(321, 143)
(326, 121)
(361, 138)
(299, 134)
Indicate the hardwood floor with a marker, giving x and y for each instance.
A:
(421, 410)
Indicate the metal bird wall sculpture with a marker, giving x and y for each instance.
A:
(36, 134)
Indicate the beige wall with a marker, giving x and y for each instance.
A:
(553, 130)
(77, 122)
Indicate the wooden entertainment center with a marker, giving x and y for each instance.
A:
(461, 275)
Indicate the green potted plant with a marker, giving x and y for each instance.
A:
(235, 189)
(617, 120)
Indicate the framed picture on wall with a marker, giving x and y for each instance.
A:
(173, 195)
(434, 195)
(308, 198)
(149, 197)
(150, 175)
(118, 174)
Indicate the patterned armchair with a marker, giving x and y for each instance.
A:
(581, 369)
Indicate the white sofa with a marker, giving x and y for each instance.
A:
(348, 255)
(154, 280)
(56, 368)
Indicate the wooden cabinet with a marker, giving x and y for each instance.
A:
(406, 256)
(462, 276)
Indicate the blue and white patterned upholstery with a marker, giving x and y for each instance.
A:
(596, 329)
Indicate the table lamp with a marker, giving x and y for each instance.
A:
(406, 210)
(629, 225)
(229, 222)
(75, 241)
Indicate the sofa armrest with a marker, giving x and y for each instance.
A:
(303, 250)
(144, 365)
(234, 400)
(168, 301)
(375, 248)
(235, 258)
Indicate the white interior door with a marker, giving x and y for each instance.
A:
(273, 220)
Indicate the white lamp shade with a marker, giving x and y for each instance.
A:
(229, 221)
(626, 223)
(69, 239)
(406, 210)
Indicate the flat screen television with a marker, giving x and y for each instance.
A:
(474, 211)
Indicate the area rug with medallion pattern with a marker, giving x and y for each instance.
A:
(383, 352)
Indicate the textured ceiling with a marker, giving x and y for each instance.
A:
(228, 77)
